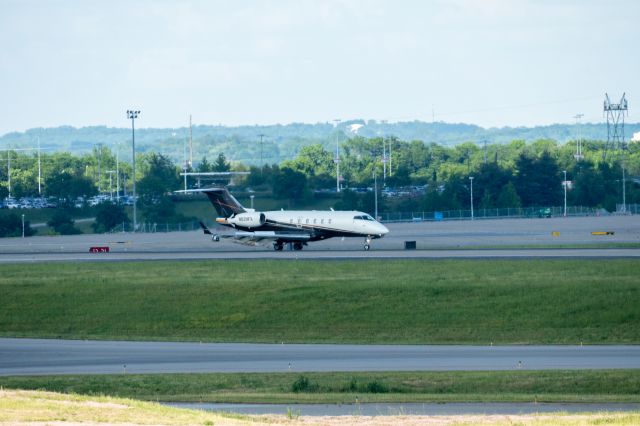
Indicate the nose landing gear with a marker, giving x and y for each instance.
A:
(367, 242)
(278, 246)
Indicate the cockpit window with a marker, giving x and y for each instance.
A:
(364, 217)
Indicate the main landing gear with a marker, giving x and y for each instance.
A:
(279, 246)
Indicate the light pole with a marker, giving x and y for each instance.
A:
(624, 191)
(565, 193)
(252, 197)
(375, 191)
(118, 173)
(337, 160)
(99, 168)
(23, 226)
(132, 115)
(9, 171)
(384, 162)
(471, 179)
(39, 171)
(111, 172)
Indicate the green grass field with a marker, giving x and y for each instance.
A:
(459, 386)
(373, 301)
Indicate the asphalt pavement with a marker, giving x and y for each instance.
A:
(506, 238)
(44, 356)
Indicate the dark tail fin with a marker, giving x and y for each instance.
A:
(204, 228)
(225, 203)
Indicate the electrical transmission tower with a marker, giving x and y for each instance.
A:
(615, 125)
(578, 155)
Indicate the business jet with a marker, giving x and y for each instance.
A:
(287, 227)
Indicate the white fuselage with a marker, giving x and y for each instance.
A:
(320, 224)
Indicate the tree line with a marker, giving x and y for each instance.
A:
(517, 174)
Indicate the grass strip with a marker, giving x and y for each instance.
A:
(372, 301)
(448, 386)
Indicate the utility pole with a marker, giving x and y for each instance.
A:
(485, 151)
(132, 115)
(261, 163)
(578, 156)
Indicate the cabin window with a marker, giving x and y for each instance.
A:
(299, 221)
(321, 220)
(314, 221)
(329, 221)
(290, 220)
(307, 221)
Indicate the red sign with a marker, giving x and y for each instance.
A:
(98, 249)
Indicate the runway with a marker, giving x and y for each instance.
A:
(49, 357)
(507, 238)
(546, 253)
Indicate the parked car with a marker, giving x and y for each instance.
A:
(544, 213)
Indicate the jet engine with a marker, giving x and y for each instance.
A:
(248, 220)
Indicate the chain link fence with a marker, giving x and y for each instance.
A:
(148, 227)
(423, 216)
(505, 213)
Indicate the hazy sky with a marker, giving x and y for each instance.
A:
(487, 62)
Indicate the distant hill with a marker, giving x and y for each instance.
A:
(282, 142)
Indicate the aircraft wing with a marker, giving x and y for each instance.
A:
(258, 237)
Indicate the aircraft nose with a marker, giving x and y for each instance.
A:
(383, 229)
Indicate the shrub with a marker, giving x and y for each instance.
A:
(11, 226)
(62, 223)
(302, 384)
(377, 387)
